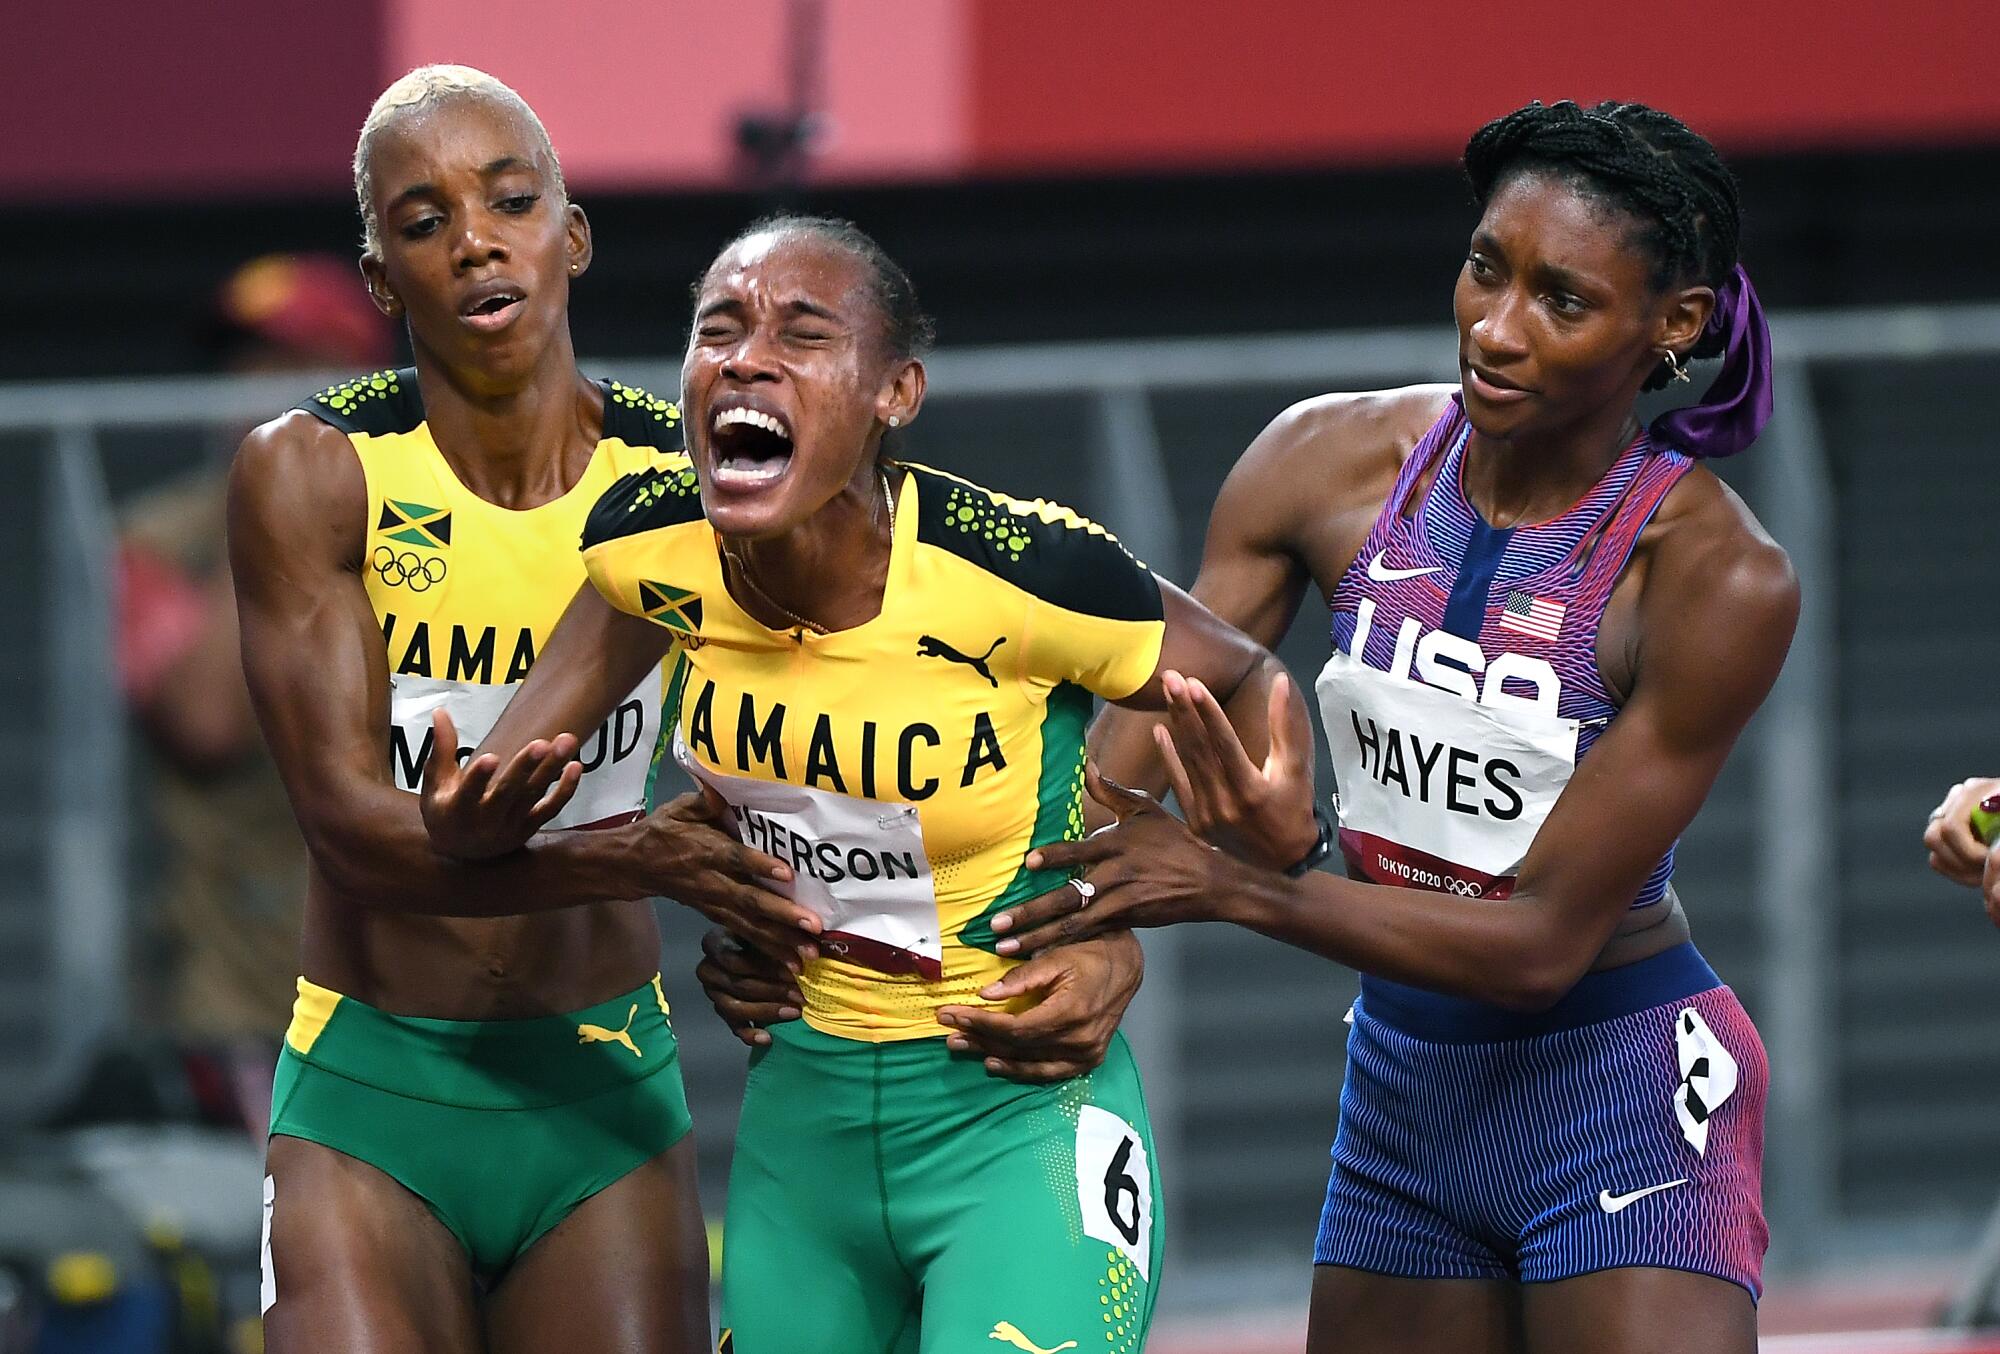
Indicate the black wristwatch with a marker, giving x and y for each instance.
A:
(1321, 848)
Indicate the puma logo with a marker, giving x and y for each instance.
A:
(597, 1034)
(1011, 1333)
(930, 646)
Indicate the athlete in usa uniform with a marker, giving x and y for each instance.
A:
(889, 672)
(1549, 626)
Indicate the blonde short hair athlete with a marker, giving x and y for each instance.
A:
(479, 1138)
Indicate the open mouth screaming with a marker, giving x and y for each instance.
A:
(748, 448)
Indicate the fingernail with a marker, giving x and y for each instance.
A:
(1008, 946)
(1034, 860)
(761, 1037)
(957, 1045)
(788, 1013)
(993, 1064)
(1004, 922)
(797, 1000)
(991, 992)
(793, 965)
(947, 1018)
(808, 952)
(781, 873)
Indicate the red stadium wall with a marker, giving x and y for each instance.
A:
(1094, 86)
(638, 95)
(134, 98)
(128, 98)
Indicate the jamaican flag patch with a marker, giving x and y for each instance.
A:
(676, 608)
(415, 524)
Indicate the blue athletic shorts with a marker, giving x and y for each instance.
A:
(1624, 1127)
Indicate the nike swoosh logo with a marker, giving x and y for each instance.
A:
(1613, 1203)
(1381, 575)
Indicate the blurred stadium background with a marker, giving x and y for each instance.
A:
(1144, 230)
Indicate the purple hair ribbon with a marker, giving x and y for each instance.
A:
(1738, 402)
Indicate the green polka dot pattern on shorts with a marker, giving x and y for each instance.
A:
(1123, 1301)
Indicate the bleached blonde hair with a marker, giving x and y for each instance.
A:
(419, 89)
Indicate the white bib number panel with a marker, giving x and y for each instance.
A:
(617, 757)
(859, 863)
(1114, 1186)
(1438, 791)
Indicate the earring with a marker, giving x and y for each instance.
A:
(894, 421)
(1674, 365)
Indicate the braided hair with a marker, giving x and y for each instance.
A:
(906, 330)
(1647, 163)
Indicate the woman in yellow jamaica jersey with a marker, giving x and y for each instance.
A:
(479, 1082)
(888, 672)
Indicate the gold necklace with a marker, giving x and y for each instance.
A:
(743, 568)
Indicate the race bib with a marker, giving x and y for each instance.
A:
(1435, 790)
(268, 1275)
(1114, 1186)
(858, 863)
(617, 757)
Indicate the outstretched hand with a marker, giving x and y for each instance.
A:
(1147, 869)
(1259, 814)
(483, 809)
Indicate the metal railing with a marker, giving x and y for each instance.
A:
(1793, 753)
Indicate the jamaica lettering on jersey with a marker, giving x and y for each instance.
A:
(467, 592)
(906, 766)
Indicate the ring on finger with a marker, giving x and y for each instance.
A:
(1085, 891)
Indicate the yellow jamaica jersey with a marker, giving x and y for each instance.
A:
(467, 592)
(903, 767)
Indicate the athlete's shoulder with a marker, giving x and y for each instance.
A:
(645, 500)
(378, 404)
(292, 473)
(296, 444)
(639, 418)
(1365, 431)
(1705, 534)
(1042, 548)
(1328, 458)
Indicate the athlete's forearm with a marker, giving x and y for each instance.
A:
(1249, 705)
(1121, 740)
(378, 854)
(1516, 953)
(1121, 747)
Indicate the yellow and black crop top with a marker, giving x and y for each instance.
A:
(903, 767)
(466, 592)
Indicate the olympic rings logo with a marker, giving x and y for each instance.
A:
(406, 568)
